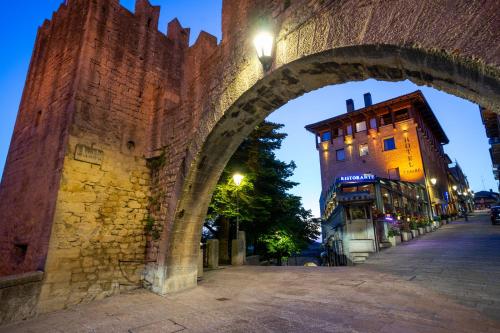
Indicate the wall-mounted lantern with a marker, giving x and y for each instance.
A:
(455, 187)
(433, 181)
(264, 43)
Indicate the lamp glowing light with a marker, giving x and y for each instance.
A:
(237, 178)
(454, 187)
(263, 43)
(433, 181)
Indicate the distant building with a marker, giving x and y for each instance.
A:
(460, 195)
(486, 199)
(383, 160)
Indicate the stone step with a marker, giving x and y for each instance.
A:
(359, 260)
(359, 257)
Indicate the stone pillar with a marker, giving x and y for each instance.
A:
(224, 239)
(200, 261)
(213, 253)
(238, 250)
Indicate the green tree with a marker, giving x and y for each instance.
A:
(262, 202)
(280, 245)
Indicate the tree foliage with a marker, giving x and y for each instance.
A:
(267, 212)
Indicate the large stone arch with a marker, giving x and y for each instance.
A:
(318, 44)
(116, 116)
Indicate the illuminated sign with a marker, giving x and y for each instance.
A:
(356, 178)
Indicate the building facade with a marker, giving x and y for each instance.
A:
(486, 199)
(460, 194)
(385, 159)
(491, 122)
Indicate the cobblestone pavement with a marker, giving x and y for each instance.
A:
(446, 281)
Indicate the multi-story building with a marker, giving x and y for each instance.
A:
(491, 122)
(460, 199)
(385, 158)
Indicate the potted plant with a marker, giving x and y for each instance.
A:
(414, 229)
(428, 226)
(394, 236)
(405, 231)
(421, 226)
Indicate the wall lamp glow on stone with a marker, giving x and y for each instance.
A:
(237, 178)
(433, 181)
(454, 187)
(264, 43)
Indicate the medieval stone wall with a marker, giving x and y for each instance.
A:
(106, 222)
(31, 178)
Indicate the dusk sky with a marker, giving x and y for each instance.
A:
(460, 119)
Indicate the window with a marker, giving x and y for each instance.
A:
(393, 173)
(340, 132)
(349, 130)
(363, 149)
(326, 136)
(373, 123)
(401, 115)
(340, 154)
(389, 144)
(386, 119)
(361, 126)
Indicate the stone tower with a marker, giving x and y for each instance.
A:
(102, 98)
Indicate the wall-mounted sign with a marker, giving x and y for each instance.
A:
(88, 154)
(356, 178)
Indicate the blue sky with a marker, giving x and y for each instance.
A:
(459, 118)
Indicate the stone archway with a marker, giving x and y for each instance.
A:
(312, 52)
(107, 94)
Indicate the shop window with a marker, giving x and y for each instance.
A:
(357, 212)
(361, 126)
(326, 136)
(340, 153)
(389, 144)
(366, 188)
(363, 149)
(349, 189)
(373, 123)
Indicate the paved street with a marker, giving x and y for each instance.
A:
(446, 281)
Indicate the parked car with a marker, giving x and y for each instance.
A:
(495, 215)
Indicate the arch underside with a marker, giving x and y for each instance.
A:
(456, 76)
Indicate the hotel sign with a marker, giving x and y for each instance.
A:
(356, 178)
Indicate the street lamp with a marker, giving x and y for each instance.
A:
(263, 43)
(454, 187)
(237, 178)
(433, 181)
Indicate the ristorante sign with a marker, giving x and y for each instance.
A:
(356, 178)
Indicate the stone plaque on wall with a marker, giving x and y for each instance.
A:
(88, 154)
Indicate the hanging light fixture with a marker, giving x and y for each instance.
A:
(264, 42)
